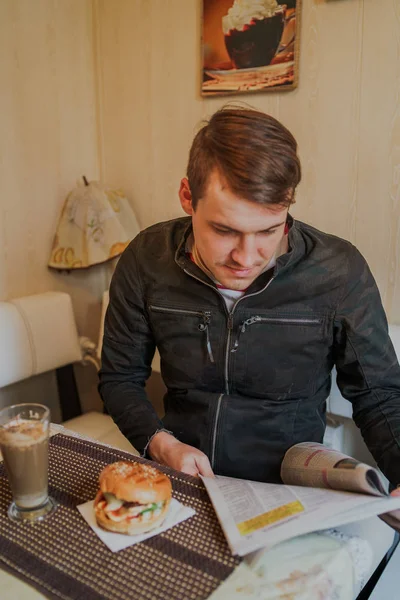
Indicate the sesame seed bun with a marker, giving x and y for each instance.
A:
(136, 483)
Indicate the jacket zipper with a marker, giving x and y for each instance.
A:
(290, 321)
(228, 343)
(166, 309)
(229, 330)
(258, 319)
(205, 315)
(227, 352)
(230, 324)
(214, 438)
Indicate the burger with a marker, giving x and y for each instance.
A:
(133, 498)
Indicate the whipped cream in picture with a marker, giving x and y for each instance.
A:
(243, 12)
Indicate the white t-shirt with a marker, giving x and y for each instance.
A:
(232, 296)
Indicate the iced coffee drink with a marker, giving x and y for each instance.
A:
(24, 446)
(253, 30)
(24, 434)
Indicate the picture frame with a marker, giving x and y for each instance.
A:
(250, 49)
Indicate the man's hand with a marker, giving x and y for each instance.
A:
(167, 450)
(393, 518)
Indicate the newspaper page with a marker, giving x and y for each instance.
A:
(256, 515)
(315, 465)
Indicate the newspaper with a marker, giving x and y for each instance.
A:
(322, 489)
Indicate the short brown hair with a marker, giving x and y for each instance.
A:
(253, 151)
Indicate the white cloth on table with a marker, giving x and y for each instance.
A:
(327, 564)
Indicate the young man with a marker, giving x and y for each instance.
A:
(250, 311)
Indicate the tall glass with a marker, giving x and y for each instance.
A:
(24, 443)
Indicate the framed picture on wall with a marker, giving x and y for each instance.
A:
(250, 46)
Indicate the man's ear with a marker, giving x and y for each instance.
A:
(185, 196)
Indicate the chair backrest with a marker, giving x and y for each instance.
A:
(38, 334)
(339, 406)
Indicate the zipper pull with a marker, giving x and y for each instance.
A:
(204, 327)
(209, 350)
(242, 329)
(230, 322)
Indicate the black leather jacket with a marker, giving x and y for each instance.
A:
(245, 386)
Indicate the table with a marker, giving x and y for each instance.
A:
(64, 559)
(188, 562)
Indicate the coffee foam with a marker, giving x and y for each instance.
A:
(244, 11)
(23, 433)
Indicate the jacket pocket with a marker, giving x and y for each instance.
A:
(281, 354)
(184, 341)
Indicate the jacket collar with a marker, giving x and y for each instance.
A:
(184, 262)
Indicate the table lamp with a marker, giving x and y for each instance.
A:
(96, 225)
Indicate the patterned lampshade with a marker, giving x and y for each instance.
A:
(96, 224)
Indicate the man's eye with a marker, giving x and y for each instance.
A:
(222, 231)
(268, 232)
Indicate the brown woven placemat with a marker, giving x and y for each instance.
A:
(64, 559)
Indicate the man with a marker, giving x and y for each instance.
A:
(250, 311)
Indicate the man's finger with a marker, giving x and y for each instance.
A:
(204, 467)
(190, 469)
(390, 520)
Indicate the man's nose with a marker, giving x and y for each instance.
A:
(245, 252)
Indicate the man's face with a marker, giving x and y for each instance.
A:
(235, 238)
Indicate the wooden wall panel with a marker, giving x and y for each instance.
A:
(48, 140)
(148, 98)
(378, 209)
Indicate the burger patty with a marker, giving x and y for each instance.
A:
(125, 504)
(131, 504)
(128, 510)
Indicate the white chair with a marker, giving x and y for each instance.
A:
(38, 334)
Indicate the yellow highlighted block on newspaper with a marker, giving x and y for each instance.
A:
(270, 517)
